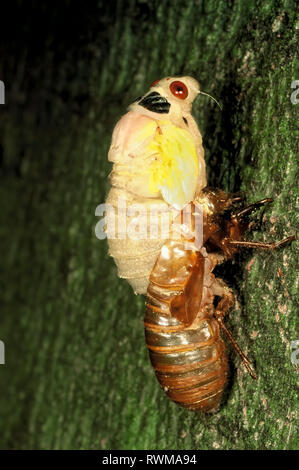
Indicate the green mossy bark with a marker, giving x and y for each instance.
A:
(77, 373)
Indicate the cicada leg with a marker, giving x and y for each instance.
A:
(261, 245)
(251, 208)
(226, 302)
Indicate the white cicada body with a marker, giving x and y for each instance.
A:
(158, 162)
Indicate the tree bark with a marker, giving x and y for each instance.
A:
(77, 373)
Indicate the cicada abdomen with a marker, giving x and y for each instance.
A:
(134, 257)
(182, 336)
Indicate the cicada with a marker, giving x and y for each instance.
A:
(158, 163)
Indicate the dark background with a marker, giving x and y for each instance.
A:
(77, 374)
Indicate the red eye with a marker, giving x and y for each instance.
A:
(154, 83)
(179, 90)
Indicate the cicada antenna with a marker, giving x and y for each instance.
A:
(203, 93)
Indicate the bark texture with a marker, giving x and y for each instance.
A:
(77, 373)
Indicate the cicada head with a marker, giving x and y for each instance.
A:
(169, 97)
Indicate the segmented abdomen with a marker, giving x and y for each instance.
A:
(190, 362)
(135, 258)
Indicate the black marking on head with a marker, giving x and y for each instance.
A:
(185, 121)
(155, 102)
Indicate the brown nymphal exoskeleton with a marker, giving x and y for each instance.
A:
(182, 321)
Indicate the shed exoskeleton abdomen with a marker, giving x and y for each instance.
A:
(189, 358)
